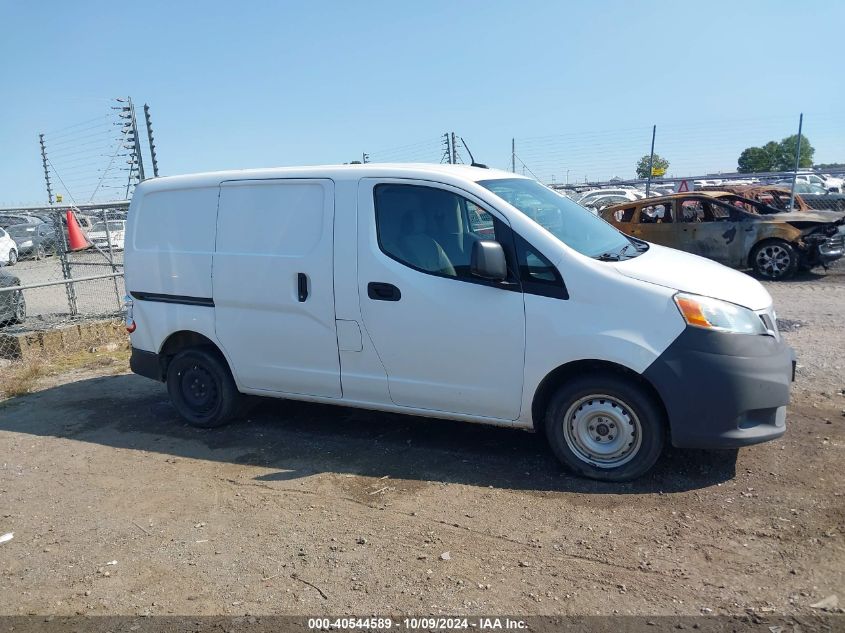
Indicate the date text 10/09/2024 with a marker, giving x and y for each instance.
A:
(417, 623)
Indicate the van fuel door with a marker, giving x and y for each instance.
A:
(349, 336)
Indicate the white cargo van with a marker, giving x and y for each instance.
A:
(452, 292)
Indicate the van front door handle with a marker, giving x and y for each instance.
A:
(380, 291)
(302, 286)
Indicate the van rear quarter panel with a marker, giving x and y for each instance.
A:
(171, 242)
(169, 248)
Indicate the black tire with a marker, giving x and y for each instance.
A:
(20, 310)
(774, 259)
(202, 389)
(13, 257)
(610, 400)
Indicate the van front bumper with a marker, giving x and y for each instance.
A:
(723, 390)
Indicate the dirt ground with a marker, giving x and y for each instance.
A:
(117, 507)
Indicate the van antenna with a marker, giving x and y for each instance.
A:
(473, 164)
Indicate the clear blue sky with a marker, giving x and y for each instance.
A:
(247, 84)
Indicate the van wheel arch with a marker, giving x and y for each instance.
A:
(558, 377)
(186, 339)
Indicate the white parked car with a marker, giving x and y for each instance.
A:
(452, 292)
(99, 234)
(8, 249)
(629, 194)
(829, 183)
(600, 202)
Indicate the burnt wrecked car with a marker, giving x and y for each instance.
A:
(776, 197)
(712, 224)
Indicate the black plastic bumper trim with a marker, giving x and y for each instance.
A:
(146, 364)
(723, 390)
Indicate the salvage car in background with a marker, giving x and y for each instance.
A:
(8, 249)
(34, 239)
(629, 194)
(775, 246)
(100, 234)
(12, 303)
(600, 202)
(815, 196)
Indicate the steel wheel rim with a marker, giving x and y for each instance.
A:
(602, 431)
(13, 258)
(20, 311)
(199, 389)
(773, 260)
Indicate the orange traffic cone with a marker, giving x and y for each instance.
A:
(77, 240)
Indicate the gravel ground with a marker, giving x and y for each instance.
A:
(119, 508)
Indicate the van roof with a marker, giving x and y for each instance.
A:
(334, 172)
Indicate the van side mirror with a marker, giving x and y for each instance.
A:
(488, 261)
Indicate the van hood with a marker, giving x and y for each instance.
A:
(690, 273)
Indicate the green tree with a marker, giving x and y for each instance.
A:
(786, 155)
(756, 159)
(659, 165)
(775, 156)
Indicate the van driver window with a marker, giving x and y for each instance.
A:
(430, 229)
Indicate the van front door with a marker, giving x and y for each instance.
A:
(273, 286)
(449, 341)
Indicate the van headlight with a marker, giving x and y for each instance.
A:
(720, 316)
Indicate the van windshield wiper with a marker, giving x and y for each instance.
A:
(613, 257)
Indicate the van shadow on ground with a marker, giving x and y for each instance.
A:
(300, 439)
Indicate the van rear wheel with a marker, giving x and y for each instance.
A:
(605, 427)
(202, 389)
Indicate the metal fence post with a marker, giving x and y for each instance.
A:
(62, 250)
(46, 170)
(513, 155)
(797, 163)
(111, 257)
(650, 161)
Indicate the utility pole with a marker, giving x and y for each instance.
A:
(46, 171)
(151, 140)
(454, 150)
(513, 155)
(650, 160)
(797, 163)
(365, 158)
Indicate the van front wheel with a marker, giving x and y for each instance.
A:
(202, 389)
(605, 427)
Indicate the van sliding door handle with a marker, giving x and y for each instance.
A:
(379, 291)
(302, 282)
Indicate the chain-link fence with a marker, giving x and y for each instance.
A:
(60, 288)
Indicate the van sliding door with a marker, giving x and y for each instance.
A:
(273, 285)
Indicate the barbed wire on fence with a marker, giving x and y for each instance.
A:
(692, 149)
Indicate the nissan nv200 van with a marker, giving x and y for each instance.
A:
(451, 292)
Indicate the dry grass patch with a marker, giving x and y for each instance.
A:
(20, 378)
(23, 376)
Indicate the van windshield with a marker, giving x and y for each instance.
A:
(569, 222)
